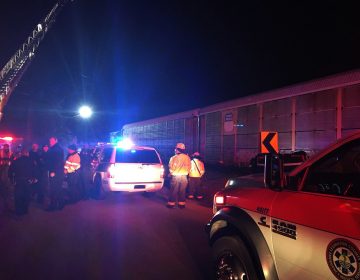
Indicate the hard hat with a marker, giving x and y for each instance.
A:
(180, 146)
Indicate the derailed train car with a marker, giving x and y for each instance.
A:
(307, 116)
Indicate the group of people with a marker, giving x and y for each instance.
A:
(186, 173)
(41, 174)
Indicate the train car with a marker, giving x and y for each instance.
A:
(307, 116)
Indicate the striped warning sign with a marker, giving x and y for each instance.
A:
(269, 142)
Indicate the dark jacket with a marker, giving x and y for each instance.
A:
(86, 158)
(22, 168)
(44, 162)
(55, 159)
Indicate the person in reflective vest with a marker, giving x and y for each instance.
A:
(71, 167)
(197, 170)
(179, 167)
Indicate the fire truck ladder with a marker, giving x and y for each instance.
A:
(14, 69)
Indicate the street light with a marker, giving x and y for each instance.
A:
(85, 112)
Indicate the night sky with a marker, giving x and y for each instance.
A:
(135, 60)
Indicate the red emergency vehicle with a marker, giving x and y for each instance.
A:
(301, 225)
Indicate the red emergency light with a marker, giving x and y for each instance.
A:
(7, 138)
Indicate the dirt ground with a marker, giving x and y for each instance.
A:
(214, 180)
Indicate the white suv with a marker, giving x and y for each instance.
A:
(135, 169)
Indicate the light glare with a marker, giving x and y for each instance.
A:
(85, 112)
(6, 138)
(125, 143)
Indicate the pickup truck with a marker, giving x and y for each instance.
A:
(299, 225)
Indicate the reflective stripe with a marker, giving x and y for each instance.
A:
(171, 203)
(197, 169)
(181, 202)
(72, 163)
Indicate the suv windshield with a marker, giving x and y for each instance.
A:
(130, 156)
(136, 156)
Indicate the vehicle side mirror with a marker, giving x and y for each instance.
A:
(274, 177)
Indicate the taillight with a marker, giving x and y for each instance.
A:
(111, 171)
(162, 172)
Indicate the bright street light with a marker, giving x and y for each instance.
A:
(85, 112)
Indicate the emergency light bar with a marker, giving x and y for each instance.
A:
(125, 144)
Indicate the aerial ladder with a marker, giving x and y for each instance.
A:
(14, 69)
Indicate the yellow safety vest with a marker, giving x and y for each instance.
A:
(197, 168)
(72, 163)
(179, 165)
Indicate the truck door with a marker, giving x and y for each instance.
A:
(316, 228)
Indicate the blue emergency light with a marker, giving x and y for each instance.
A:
(125, 144)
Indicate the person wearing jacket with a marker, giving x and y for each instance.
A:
(179, 167)
(22, 172)
(86, 172)
(37, 191)
(71, 170)
(44, 173)
(5, 184)
(197, 170)
(55, 165)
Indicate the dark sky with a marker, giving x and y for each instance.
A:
(138, 59)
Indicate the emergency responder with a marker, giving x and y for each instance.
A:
(44, 173)
(55, 164)
(22, 172)
(179, 167)
(5, 184)
(37, 191)
(86, 172)
(71, 170)
(197, 170)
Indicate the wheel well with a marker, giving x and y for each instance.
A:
(236, 222)
(231, 230)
